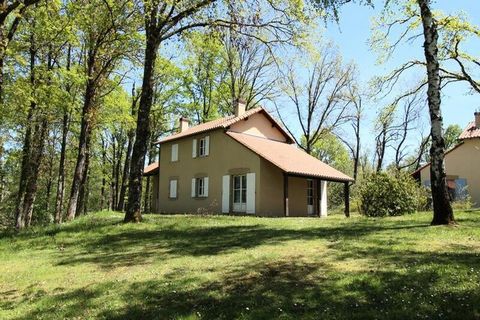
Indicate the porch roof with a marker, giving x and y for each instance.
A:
(289, 158)
(151, 169)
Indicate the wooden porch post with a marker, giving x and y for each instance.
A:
(285, 194)
(347, 199)
(319, 195)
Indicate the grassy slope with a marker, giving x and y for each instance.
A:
(241, 267)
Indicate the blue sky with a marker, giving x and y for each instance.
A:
(351, 35)
(353, 31)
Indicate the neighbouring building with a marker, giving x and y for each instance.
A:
(246, 164)
(462, 165)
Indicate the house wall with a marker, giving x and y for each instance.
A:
(226, 157)
(258, 125)
(463, 162)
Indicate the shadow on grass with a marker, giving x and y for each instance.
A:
(139, 246)
(288, 289)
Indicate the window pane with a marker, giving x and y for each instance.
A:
(236, 182)
(244, 196)
(244, 182)
(236, 196)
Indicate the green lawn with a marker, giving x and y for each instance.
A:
(191, 267)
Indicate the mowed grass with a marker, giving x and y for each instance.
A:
(220, 267)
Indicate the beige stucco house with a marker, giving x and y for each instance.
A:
(245, 164)
(462, 165)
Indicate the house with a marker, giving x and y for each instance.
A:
(462, 165)
(245, 164)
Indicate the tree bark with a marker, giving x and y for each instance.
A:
(104, 180)
(85, 132)
(36, 157)
(63, 147)
(82, 194)
(61, 170)
(25, 169)
(142, 134)
(442, 210)
(128, 156)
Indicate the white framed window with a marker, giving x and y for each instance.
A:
(174, 153)
(204, 146)
(173, 189)
(200, 187)
(240, 193)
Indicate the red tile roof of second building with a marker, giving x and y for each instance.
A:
(289, 158)
(470, 132)
(223, 123)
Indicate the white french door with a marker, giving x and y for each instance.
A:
(240, 193)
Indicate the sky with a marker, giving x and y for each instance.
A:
(353, 31)
(351, 35)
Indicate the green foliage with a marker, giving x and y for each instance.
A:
(451, 135)
(390, 194)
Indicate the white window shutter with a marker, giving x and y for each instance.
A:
(193, 188)
(250, 192)
(174, 152)
(207, 145)
(205, 186)
(323, 199)
(194, 148)
(173, 188)
(226, 194)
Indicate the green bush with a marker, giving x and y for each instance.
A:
(391, 194)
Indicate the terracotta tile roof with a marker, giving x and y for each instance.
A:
(289, 158)
(223, 123)
(151, 169)
(470, 132)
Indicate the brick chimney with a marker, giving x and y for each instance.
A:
(183, 124)
(240, 106)
(477, 119)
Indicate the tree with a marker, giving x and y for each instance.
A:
(164, 21)
(451, 135)
(442, 210)
(107, 29)
(8, 27)
(321, 104)
(412, 15)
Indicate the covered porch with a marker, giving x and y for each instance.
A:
(306, 195)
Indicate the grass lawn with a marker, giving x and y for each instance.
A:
(191, 267)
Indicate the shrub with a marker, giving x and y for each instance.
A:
(390, 194)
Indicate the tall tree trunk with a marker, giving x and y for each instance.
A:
(49, 178)
(2, 183)
(63, 147)
(35, 162)
(121, 146)
(128, 156)
(142, 135)
(61, 170)
(25, 169)
(82, 194)
(113, 192)
(104, 180)
(442, 210)
(85, 131)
